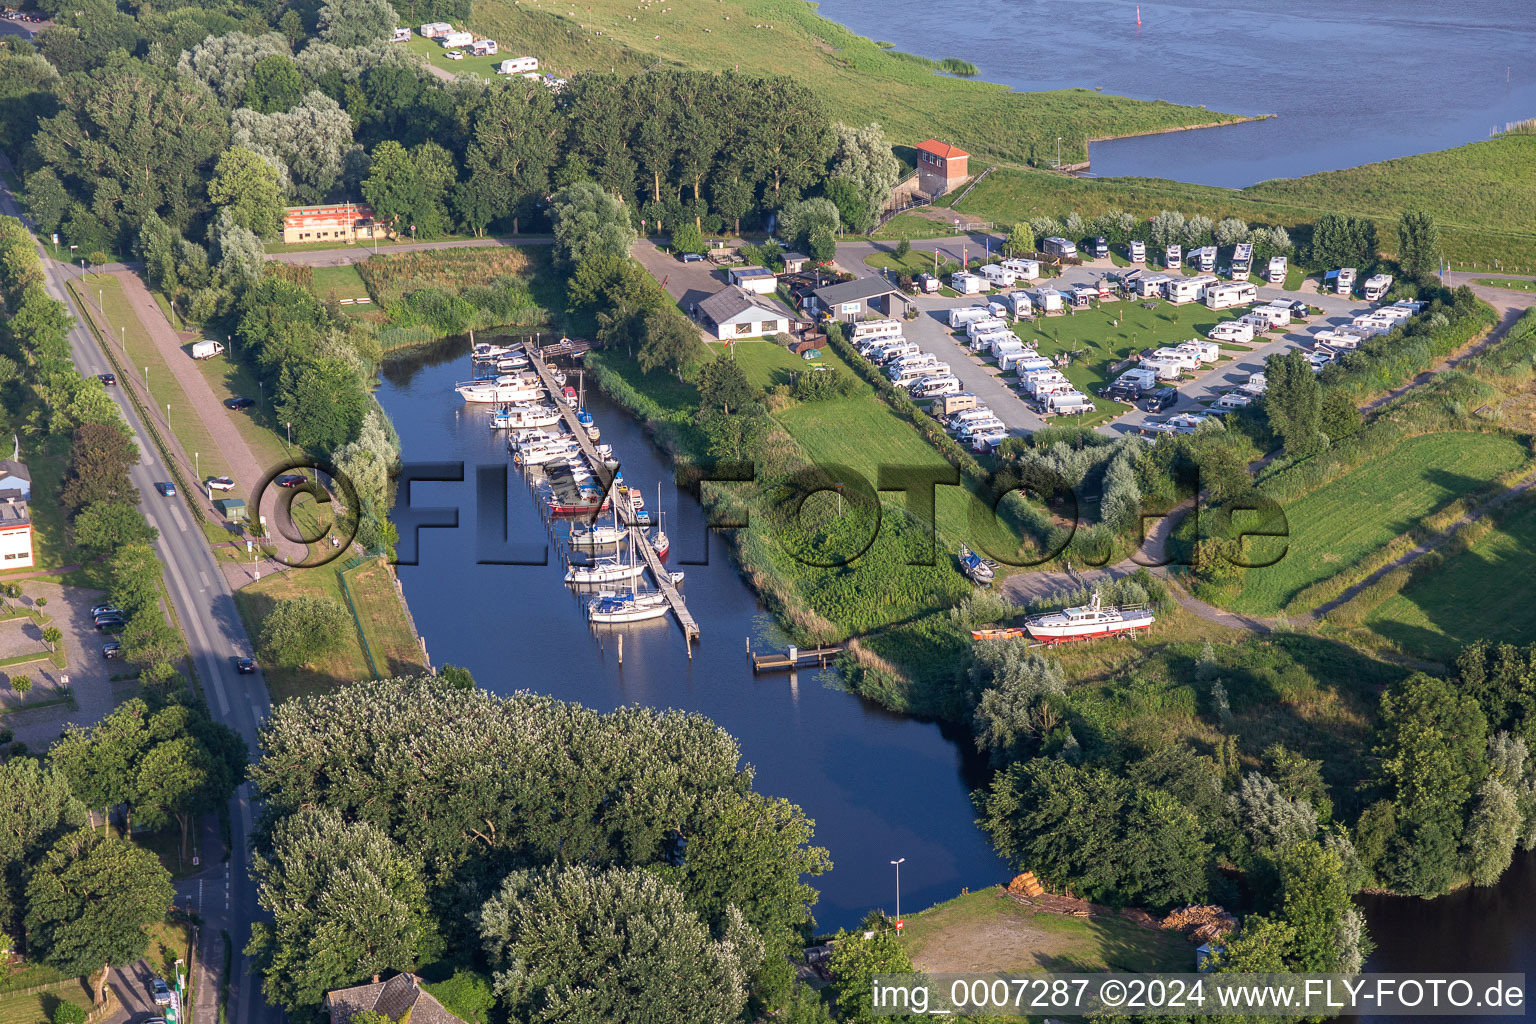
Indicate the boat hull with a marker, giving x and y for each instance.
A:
(1068, 634)
(1001, 633)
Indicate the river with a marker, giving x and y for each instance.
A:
(879, 786)
(1350, 83)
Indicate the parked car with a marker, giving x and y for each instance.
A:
(101, 609)
(454, 55)
(161, 991)
(1162, 398)
(111, 626)
(245, 666)
(692, 257)
(221, 483)
(166, 489)
(112, 649)
(109, 379)
(107, 619)
(239, 403)
(291, 480)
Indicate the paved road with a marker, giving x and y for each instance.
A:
(205, 607)
(344, 255)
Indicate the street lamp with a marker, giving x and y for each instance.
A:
(1058, 152)
(290, 433)
(897, 864)
(122, 338)
(146, 380)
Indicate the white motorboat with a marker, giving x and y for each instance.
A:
(486, 352)
(501, 391)
(1087, 622)
(605, 570)
(596, 536)
(544, 453)
(507, 364)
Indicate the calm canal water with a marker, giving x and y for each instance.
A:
(879, 786)
(1351, 83)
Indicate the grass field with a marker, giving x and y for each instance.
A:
(1337, 525)
(346, 664)
(385, 626)
(37, 1007)
(122, 327)
(1481, 195)
(437, 55)
(1479, 593)
(343, 282)
(860, 81)
(1513, 284)
(986, 932)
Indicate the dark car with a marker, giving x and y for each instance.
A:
(161, 992)
(239, 403)
(691, 257)
(109, 379)
(245, 666)
(1121, 393)
(291, 480)
(1162, 398)
(111, 626)
(105, 609)
(103, 621)
(111, 649)
(166, 488)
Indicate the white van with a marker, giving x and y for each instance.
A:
(1139, 378)
(898, 351)
(905, 362)
(1232, 331)
(1069, 404)
(1164, 369)
(1138, 252)
(1173, 257)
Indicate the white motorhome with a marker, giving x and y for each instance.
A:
(991, 323)
(1225, 296)
(1258, 321)
(912, 374)
(983, 443)
(450, 39)
(1059, 247)
(1140, 378)
(1235, 331)
(1026, 270)
(1022, 306)
(968, 284)
(875, 350)
(870, 330)
(1275, 316)
(1183, 357)
(901, 350)
(1183, 289)
(518, 66)
(1069, 404)
(1277, 270)
(1049, 300)
(1242, 261)
(1346, 281)
(933, 387)
(1164, 369)
(970, 428)
(1375, 287)
(1173, 257)
(976, 412)
(1204, 258)
(907, 362)
(1138, 252)
(1205, 351)
(927, 284)
(998, 275)
(1153, 287)
(1409, 304)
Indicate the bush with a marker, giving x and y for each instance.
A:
(815, 385)
(299, 629)
(69, 1013)
(956, 66)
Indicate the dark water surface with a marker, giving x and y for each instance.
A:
(879, 786)
(1352, 83)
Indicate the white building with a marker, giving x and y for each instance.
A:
(15, 518)
(754, 279)
(732, 313)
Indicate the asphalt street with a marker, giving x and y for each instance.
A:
(205, 607)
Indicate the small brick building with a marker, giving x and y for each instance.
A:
(941, 167)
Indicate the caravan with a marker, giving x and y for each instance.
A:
(1059, 247)
(1154, 286)
(517, 66)
(962, 315)
(1138, 252)
(968, 284)
(998, 275)
(991, 323)
(872, 330)
(1049, 300)
(1023, 270)
(1183, 358)
(1205, 351)
(1021, 304)
(1234, 331)
(1225, 296)
(1183, 289)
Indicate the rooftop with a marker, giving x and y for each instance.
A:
(395, 998)
(731, 300)
(943, 149)
(855, 291)
(13, 513)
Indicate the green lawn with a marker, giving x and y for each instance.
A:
(909, 225)
(385, 625)
(1479, 593)
(122, 327)
(767, 364)
(860, 82)
(1514, 284)
(37, 1007)
(1482, 196)
(437, 55)
(1337, 525)
(986, 932)
(345, 664)
(917, 261)
(343, 282)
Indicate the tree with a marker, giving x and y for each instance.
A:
(1020, 240)
(1270, 819)
(247, 186)
(686, 238)
(90, 899)
(1014, 698)
(589, 222)
(275, 84)
(516, 145)
(136, 571)
(855, 961)
(584, 943)
(149, 641)
(409, 188)
(325, 400)
(47, 199)
(307, 145)
(357, 22)
(346, 902)
(51, 636)
(670, 341)
(1294, 401)
(104, 526)
(1418, 244)
(1339, 240)
(225, 62)
(1230, 231)
(36, 809)
(822, 246)
(22, 684)
(800, 220)
(1492, 831)
(300, 628)
(1313, 901)
(723, 385)
(99, 457)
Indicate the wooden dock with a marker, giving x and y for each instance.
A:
(796, 657)
(626, 511)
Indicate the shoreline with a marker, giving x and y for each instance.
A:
(1087, 165)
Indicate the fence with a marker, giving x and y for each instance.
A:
(346, 593)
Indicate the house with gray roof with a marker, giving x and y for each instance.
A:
(734, 313)
(853, 300)
(397, 998)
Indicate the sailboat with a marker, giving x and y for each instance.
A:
(596, 536)
(659, 539)
(635, 606)
(606, 570)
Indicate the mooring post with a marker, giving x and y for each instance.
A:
(621, 648)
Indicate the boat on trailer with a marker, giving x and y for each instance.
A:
(1088, 622)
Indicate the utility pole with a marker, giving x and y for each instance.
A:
(897, 864)
(1058, 152)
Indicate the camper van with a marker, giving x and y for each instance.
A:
(907, 376)
(970, 428)
(1070, 404)
(991, 323)
(517, 66)
(1277, 269)
(871, 330)
(998, 275)
(1376, 287)
(983, 443)
(1138, 252)
(1204, 258)
(1205, 351)
(1225, 296)
(1059, 247)
(1345, 281)
(907, 362)
(1242, 260)
(968, 284)
(936, 385)
(1023, 270)
(1163, 369)
(1029, 362)
(974, 412)
(1100, 247)
(1234, 331)
(962, 315)
(901, 350)
(927, 284)
(1140, 379)
(1173, 257)
(1183, 357)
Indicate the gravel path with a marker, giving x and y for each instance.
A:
(245, 468)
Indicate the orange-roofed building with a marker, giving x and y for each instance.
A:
(940, 167)
(337, 222)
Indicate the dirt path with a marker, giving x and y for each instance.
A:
(245, 468)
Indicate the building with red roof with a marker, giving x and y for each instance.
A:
(941, 167)
(336, 222)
